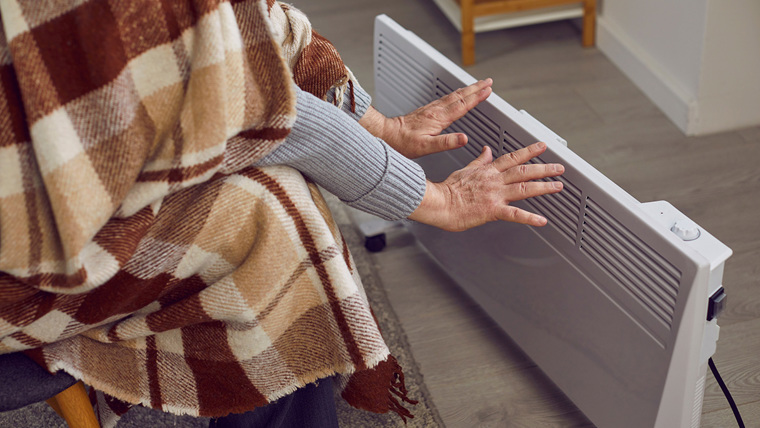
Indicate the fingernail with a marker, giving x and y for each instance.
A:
(541, 144)
(557, 185)
(559, 168)
(540, 220)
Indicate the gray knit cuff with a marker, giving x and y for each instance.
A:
(362, 101)
(340, 155)
(394, 198)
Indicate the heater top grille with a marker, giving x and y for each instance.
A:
(481, 131)
(560, 209)
(645, 274)
(408, 82)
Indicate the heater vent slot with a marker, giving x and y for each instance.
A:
(560, 209)
(642, 272)
(699, 397)
(401, 74)
(480, 130)
(511, 144)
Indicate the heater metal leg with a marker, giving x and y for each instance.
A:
(374, 231)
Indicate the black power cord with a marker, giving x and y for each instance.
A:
(723, 386)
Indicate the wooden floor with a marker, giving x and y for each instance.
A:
(476, 375)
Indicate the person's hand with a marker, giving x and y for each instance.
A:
(418, 133)
(483, 190)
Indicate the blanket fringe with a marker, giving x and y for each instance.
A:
(380, 389)
(108, 409)
(346, 84)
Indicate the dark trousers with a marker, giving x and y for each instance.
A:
(309, 407)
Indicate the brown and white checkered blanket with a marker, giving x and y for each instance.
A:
(139, 250)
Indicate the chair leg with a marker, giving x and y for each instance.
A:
(74, 406)
(468, 32)
(52, 402)
(589, 23)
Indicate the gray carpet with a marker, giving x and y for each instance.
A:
(41, 415)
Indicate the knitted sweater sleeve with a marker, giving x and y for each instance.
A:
(334, 151)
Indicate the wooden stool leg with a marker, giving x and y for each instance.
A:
(468, 32)
(52, 402)
(589, 22)
(74, 406)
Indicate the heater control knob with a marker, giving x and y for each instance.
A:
(686, 229)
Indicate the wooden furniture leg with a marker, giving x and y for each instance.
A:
(469, 10)
(589, 23)
(468, 31)
(74, 406)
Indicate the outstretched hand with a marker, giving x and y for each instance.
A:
(483, 190)
(419, 132)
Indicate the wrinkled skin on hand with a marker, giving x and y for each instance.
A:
(484, 190)
(419, 132)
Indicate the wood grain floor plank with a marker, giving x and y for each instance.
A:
(560, 106)
(751, 134)
(616, 99)
(750, 413)
(742, 282)
(736, 359)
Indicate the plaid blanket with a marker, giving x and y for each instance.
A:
(139, 249)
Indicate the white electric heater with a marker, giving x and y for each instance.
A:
(610, 299)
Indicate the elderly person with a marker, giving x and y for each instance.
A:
(162, 237)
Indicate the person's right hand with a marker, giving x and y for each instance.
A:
(483, 190)
(419, 132)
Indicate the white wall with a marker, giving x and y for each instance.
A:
(698, 60)
(729, 95)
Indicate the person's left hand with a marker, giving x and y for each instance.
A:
(419, 132)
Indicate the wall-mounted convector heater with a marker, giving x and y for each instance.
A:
(610, 299)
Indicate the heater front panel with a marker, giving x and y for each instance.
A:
(596, 297)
